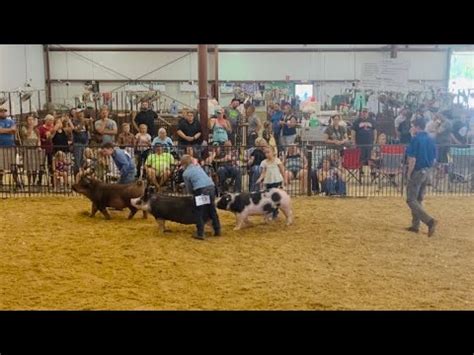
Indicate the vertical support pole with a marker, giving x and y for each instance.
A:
(202, 79)
(10, 103)
(47, 73)
(309, 158)
(216, 72)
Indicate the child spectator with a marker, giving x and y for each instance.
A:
(126, 140)
(272, 170)
(60, 169)
(143, 145)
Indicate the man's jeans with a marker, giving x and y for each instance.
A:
(78, 154)
(128, 177)
(416, 188)
(254, 173)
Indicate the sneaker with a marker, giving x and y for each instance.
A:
(432, 227)
(196, 236)
(412, 229)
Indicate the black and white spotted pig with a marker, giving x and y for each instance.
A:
(256, 203)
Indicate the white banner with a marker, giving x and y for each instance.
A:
(389, 74)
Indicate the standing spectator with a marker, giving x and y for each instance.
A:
(336, 134)
(443, 137)
(47, 130)
(220, 127)
(143, 145)
(126, 140)
(234, 117)
(61, 135)
(276, 117)
(80, 139)
(255, 126)
(189, 130)
(122, 160)
(147, 117)
(364, 134)
(272, 171)
(421, 156)
(288, 124)
(33, 156)
(256, 158)
(7, 145)
(200, 184)
(105, 127)
(403, 126)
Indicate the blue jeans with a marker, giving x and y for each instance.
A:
(254, 174)
(78, 154)
(333, 187)
(128, 177)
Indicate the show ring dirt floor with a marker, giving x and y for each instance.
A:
(339, 254)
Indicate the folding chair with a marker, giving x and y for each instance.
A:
(391, 163)
(352, 164)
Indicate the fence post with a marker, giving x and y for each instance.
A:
(309, 158)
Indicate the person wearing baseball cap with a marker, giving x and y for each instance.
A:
(220, 127)
(234, 116)
(158, 165)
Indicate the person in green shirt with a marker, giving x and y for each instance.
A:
(159, 165)
(233, 115)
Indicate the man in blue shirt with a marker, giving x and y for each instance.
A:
(421, 156)
(200, 185)
(123, 161)
(7, 145)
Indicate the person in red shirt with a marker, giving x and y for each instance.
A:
(46, 131)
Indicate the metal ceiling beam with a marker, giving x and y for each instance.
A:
(242, 50)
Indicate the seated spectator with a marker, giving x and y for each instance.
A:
(126, 139)
(255, 159)
(143, 145)
(220, 127)
(332, 180)
(273, 171)
(178, 173)
(162, 138)
(60, 167)
(159, 166)
(296, 167)
(226, 159)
